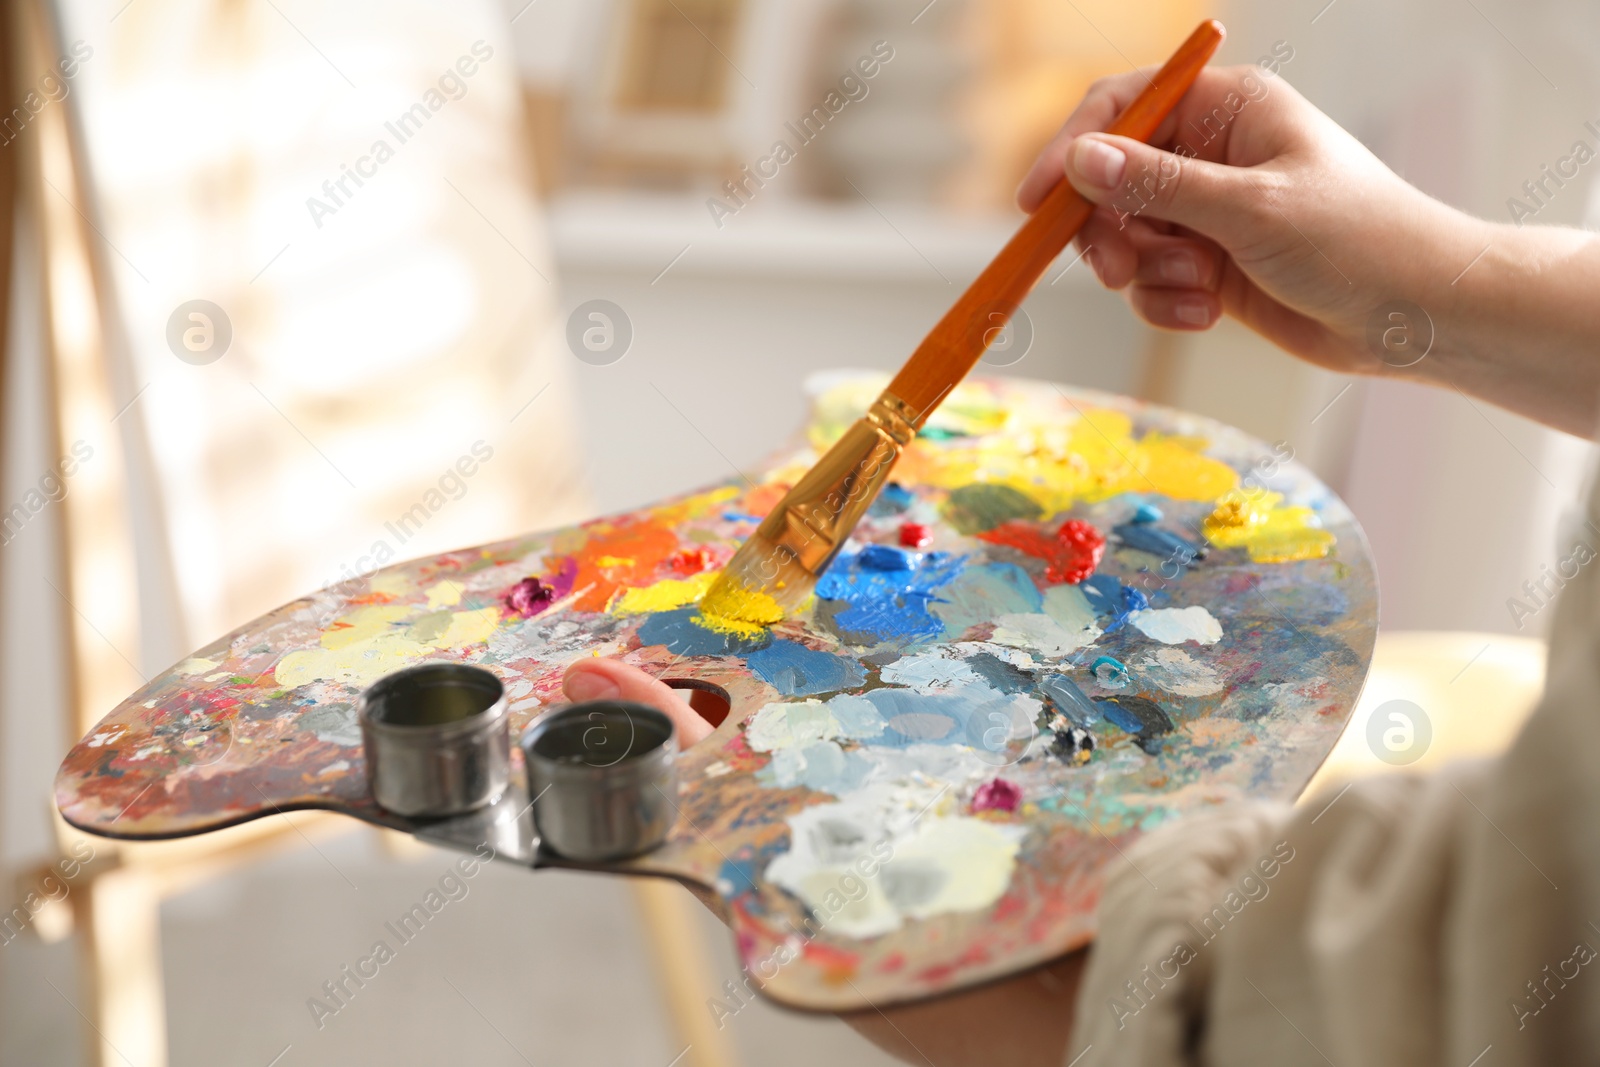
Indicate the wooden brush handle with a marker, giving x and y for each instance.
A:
(953, 346)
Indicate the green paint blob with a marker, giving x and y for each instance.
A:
(979, 508)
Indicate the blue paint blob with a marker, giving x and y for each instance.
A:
(1111, 673)
(887, 605)
(893, 499)
(967, 716)
(1112, 600)
(823, 766)
(1157, 542)
(795, 670)
(1146, 513)
(1104, 592)
(1071, 701)
(884, 558)
(1000, 674)
(736, 516)
(1142, 718)
(683, 636)
(859, 718)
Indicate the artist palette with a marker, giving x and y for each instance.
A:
(1071, 619)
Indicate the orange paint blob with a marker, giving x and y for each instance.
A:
(763, 498)
(626, 554)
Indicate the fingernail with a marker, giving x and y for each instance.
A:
(1097, 163)
(587, 685)
(1180, 268)
(1193, 310)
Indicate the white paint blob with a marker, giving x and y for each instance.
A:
(928, 670)
(1173, 626)
(946, 666)
(887, 853)
(781, 726)
(1043, 634)
(1178, 672)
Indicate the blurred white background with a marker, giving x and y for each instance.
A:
(577, 164)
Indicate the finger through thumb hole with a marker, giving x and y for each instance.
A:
(609, 679)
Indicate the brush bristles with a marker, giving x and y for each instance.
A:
(762, 568)
(775, 570)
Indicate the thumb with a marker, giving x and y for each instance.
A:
(609, 679)
(1136, 180)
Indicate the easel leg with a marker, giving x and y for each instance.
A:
(683, 971)
(119, 938)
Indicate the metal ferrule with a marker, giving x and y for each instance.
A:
(814, 518)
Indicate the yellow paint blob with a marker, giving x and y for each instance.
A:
(732, 608)
(698, 506)
(1272, 531)
(373, 620)
(469, 628)
(1178, 471)
(391, 583)
(1093, 457)
(446, 594)
(664, 595)
(354, 663)
(371, 641)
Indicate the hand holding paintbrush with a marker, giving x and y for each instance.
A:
(778, 567)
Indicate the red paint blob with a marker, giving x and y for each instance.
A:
(691, 561)
(1070, 556)
(915, 535)
(998, 795)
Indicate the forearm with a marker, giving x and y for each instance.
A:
(1517, 323)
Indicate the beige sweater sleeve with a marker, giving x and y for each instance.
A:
(1449, 920)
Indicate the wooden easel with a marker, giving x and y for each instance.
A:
(113, 903)
(47, 187)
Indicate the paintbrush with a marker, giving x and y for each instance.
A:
(778, 566)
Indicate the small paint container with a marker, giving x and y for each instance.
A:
(602, 778)
(437, 739)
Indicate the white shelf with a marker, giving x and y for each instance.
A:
(777, 238)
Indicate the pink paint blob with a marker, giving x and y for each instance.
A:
(534, 594)
(529, 597)
(998, 795)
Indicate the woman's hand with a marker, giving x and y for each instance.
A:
(1252, 202)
